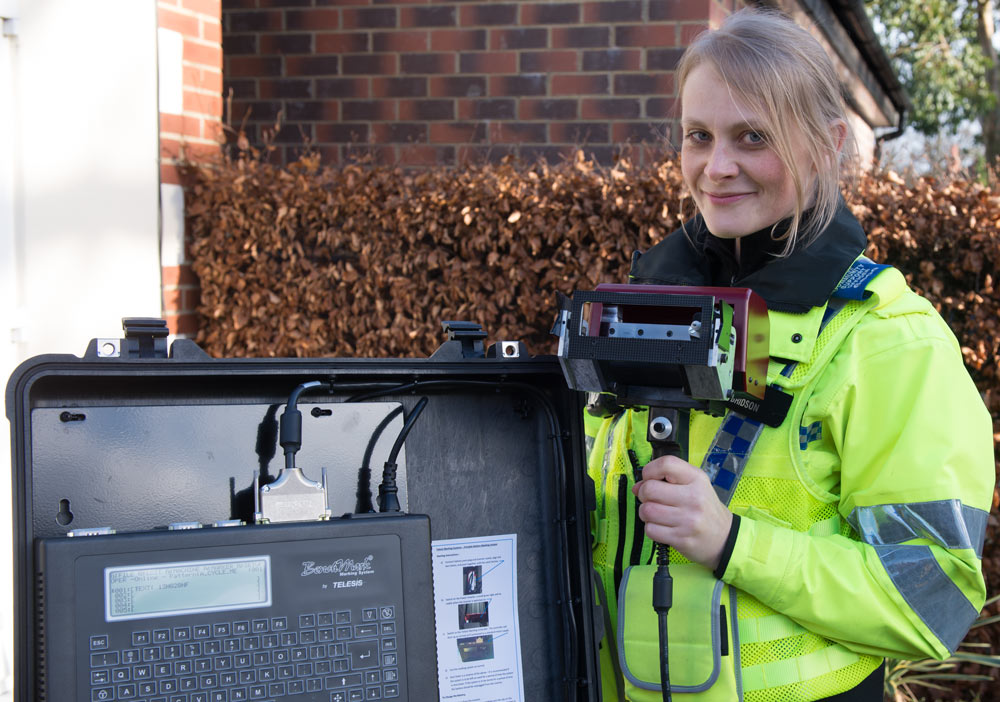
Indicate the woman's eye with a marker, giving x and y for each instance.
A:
(755, 138)
(698, 136)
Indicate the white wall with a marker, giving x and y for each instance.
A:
(79, 185)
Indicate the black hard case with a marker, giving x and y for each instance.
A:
(497, 450)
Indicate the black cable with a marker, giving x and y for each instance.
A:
(555, 434)
(388, 501)
(364, 493)
(290, 429)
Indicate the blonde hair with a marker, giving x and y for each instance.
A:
(779, 70)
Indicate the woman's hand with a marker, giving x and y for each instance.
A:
(681, 509)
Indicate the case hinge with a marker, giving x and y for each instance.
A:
(145, 337)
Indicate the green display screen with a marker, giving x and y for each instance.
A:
(189, 587)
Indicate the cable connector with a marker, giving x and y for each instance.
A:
(292, 497)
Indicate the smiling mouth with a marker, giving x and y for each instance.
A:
(725, 198)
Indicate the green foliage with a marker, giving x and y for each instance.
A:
(935, 51)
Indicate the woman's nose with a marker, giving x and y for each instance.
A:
(721, 163)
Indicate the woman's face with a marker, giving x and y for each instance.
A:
(737, 180)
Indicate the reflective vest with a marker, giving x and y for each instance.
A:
(753, 653)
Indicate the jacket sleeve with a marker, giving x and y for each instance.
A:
(914, 442)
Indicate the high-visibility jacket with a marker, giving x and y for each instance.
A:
(862, 515)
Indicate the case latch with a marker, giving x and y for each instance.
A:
(145, 337)
(471, 336)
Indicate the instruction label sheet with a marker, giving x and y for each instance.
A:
(475, 610)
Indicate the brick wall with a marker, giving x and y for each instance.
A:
(190, 86)
(422, 82)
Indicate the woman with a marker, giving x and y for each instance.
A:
(855, 531)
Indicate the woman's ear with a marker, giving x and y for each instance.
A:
(838, 131)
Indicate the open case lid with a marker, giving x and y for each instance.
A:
(136, 437)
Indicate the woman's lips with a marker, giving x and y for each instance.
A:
(725, 198)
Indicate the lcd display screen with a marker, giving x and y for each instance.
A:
(188, 587)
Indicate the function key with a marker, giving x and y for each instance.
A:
(307, 620)
(99, 643)
(182, 633)
(260, 626)
(140, 638)
(221, 629)
(279, 624)
(241, 628)
(161, 636)
(202, 631)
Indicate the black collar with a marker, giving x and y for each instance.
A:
(794, 283)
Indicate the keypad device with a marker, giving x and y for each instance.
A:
(303, 612)
(263, 658)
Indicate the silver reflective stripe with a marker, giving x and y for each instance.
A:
(948, 523)
(939, 602)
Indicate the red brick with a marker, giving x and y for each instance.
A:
(531, 38)
(420, 155)
(548, 61)
(488, 14)
(311, 20)
(204, 54)
(342, 132)
(410, 86)
(617, 11)
(253, 66)
(267, 21)
(612, 60)
(203, 78)
(202, 104)
(411, 63)
(663, 59)
(493, 153)
(547, 109)
(645, 35)
(576, 84)
(400, 41)
(368, 64)
(179, 275)
(182, 324)
(370, 18)
(458, 40)
(579, 133)
(211, 8)
(286, 88)
(185, 24)
(618, 108)
(172, 299)
(211, 30)
(313, 65)
(524, 84)
(314, 110)
(673, 11)
(367, 110)
(458, 133)
(341, 42)
(171, 124)
(501, 108)
(550, 13)
(434, 16)
(426, 110)
(518, 132)
(236, 44)
(169, 175)
(580, 37)
(342, 87)
(644, 83)
(488, 62)
(212, 129)
(399, 132)
(457, 86)
(286, 43)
